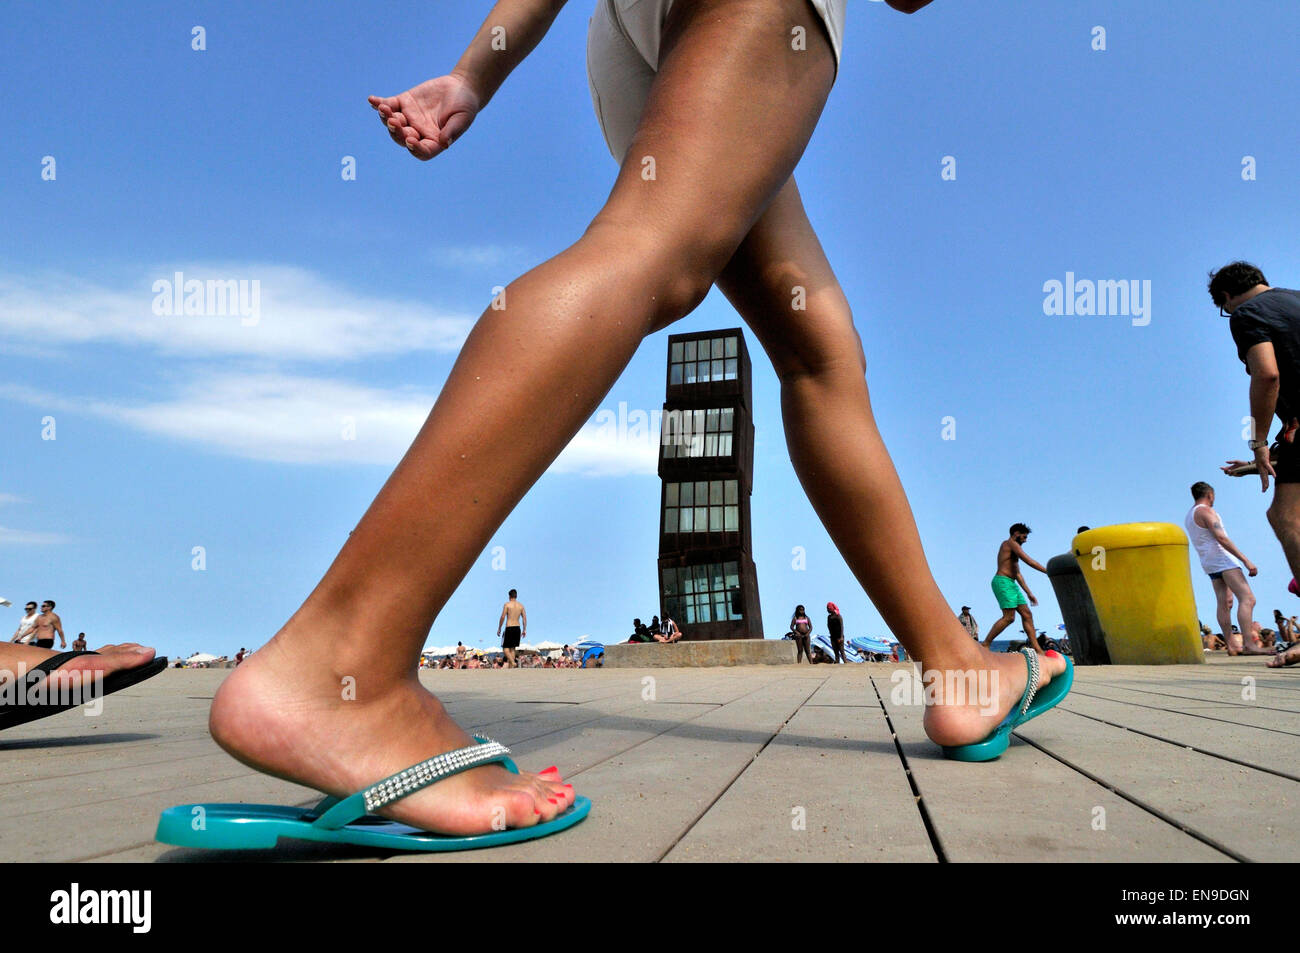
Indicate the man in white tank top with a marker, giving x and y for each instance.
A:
(1216, 552)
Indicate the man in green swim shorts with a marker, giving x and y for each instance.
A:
(1007, 584)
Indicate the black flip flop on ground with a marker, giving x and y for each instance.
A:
(19, 713)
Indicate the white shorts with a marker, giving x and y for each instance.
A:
(623, 55)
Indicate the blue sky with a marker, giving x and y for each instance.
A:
(175, 432)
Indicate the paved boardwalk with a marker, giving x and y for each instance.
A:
(776, 763)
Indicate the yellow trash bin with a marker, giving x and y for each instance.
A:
(1140, 579)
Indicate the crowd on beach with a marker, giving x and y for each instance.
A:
(1226, 566)
(570, 656)
(39, 628)
(1274, 640)
(199, 661)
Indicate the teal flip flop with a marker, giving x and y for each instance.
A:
(1032, 704)
(351, 820)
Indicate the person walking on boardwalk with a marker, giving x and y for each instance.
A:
(707, 107)
(48, 625)
(1007, 583)
(835, 628)
(515, 619)
(1265, 326)
(968, 623)
(1218, 555)
(26, 625)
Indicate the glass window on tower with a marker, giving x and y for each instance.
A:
(702, 432)
(702, 506)
(706, 593)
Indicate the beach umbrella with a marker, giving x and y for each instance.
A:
(879, 646)
(201, 657)
(5, 602)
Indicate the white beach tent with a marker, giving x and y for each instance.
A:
(201, 657)
(441, 650)
(5, 602)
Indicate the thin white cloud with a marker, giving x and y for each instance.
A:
(23, 537)
(298, 315)
(597, 451)
(477, 256)
(294, 316)
(284, 419)
(310, 420)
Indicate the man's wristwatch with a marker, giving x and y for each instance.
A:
(1258, 444)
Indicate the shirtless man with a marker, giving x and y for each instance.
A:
(1219, 556)
(47, 624)
(515, 619)
(1010, 601)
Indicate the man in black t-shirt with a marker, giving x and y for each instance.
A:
(1265, 324)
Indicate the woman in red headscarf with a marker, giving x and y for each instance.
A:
(835, 626)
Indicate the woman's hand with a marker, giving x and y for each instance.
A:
(428, 118)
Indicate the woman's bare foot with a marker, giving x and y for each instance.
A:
(294, 716)
(109, 659)
(1235, 647)
(999, 680)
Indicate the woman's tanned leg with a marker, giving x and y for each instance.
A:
(841, 459)
(730, 112)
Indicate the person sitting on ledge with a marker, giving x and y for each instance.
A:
(640, 633)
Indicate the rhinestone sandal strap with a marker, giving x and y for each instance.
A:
(1031, 657)
(408, 781)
